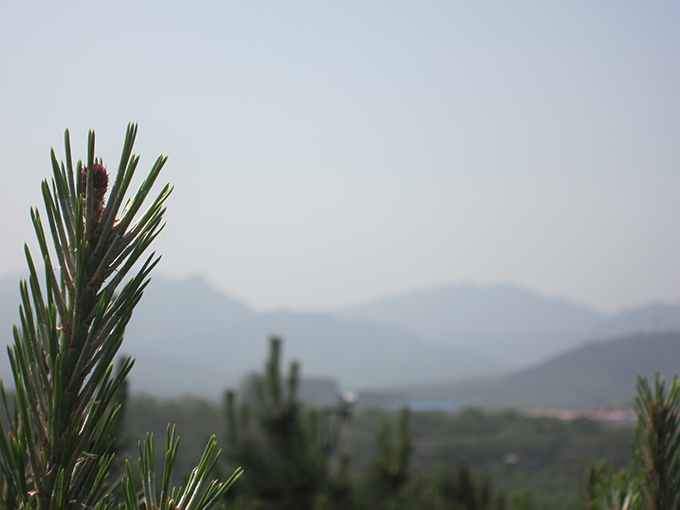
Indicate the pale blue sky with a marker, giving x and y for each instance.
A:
(327, 153)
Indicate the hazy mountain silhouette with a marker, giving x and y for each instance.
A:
(189, 338)
(652, 318)
(515, 326)
(596, 374)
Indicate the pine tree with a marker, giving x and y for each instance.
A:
(652, 481)
(59, 447)
(389, 470)
(657, 443)
(120, 435)
(469, 491)
(283, 447)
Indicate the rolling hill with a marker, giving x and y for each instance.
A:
(188, 338)
(597, 374)
(516, 327)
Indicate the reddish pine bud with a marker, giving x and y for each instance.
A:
(100, 183)
(100, 178)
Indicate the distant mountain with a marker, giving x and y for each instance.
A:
(596, 374)
(651, 318)
(514, 326)
(188, 338)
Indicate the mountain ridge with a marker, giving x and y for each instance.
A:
(190, 338)
(517, 326)
(597, 374)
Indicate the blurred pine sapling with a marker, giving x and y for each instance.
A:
(284, 447)
(652, 481)
(58, 450)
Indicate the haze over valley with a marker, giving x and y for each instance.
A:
(190, 339)
(337, 166)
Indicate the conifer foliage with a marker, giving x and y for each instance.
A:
(657, 444)
(59, 447)
(389, 470)
(652, 481)
(288, 452)
(282, 447)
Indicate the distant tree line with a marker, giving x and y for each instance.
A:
(288, 454)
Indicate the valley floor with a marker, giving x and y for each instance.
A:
(540, 455)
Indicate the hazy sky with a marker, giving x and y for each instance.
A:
(327, 153)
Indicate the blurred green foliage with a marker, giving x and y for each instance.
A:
(534, 462)
(652, 480)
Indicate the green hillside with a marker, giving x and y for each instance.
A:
(597, 374)
(545, 456)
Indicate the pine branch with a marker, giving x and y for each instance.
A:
(58, 449)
